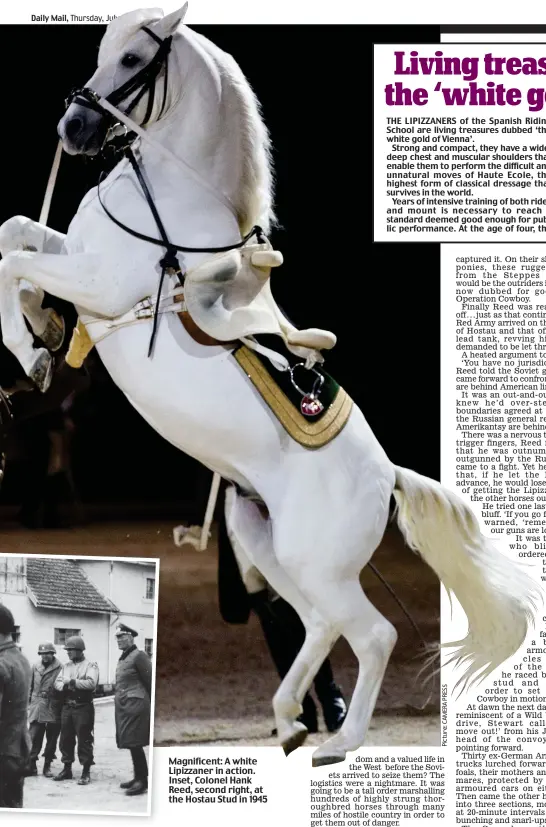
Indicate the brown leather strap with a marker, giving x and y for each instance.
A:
(195, 332)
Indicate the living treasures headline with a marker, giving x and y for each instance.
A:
(468, 69)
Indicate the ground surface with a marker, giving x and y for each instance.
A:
(112, 765)
(215, 681)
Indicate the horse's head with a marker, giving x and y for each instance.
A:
(131, 74)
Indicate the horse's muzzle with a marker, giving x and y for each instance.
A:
(82, 131)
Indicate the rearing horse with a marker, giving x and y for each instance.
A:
(199, 180)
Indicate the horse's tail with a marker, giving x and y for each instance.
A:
(498, 598)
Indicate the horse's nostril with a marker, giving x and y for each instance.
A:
(73, 128)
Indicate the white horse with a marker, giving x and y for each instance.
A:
(309, 520)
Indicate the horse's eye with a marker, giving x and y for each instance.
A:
(129, 60)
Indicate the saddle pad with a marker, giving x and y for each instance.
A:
(278, 392)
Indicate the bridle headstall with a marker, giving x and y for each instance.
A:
(145, 81)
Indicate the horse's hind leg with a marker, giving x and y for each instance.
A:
(372, 638)
(252, 531)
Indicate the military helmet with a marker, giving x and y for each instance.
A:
(74, 642)
(46, 648)
(7, 623)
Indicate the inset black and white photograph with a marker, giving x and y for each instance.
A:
(77, 681)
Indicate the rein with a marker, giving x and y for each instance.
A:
(142, 82)
(169, 263)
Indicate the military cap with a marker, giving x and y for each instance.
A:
(45, 648)
(7, 623)
(122, 629)
(74, 642)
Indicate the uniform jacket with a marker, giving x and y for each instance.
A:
(132, 700)
(15, 673)
(44, 704)
(85, 677)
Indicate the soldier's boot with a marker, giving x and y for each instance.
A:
(334, 707)
(47, 769)
(126, 784)
(32, 769)
(86, 775)
(139, 786)
(65, 774)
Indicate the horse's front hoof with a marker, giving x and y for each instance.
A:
(42, 370)
(54, 333)
(295, 740)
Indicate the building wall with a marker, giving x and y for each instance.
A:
(125, 583)
(38, 626)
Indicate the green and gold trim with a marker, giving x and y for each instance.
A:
(310, 434)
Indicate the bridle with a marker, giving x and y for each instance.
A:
(145, 81)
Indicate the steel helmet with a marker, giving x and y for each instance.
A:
(45, 648)
(7, 623)
(75, 642)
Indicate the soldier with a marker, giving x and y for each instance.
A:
(132, 705)
(44, 709)
(14, 738)
(77, 682)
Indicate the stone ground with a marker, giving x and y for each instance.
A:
(112, 765)
(215, 681)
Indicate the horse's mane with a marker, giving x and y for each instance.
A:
(254, 197)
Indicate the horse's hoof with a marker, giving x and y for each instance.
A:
(329, 753)
(295, 740)
(322, 760)
(53, 335)
(42, 370)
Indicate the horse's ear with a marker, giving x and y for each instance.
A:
(169, 24)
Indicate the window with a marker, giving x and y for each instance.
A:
(61, 635)
(150, 588)
(149, 647)
(16, 635)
